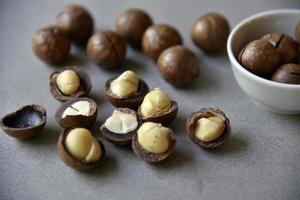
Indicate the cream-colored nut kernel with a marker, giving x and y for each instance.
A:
(125, 85)
(77, 108)
(153, 137)
(155, 102)
(209, 129)
(82, 145)
(121, 123)
(68, 82)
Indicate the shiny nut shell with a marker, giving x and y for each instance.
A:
(152, 157)
(165, 118)
(72, 162)
(132, 102)
(24, 123)
(206, 112)
(121, 139)
(76, 120)
(84, 88)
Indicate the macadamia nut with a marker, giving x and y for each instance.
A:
(78, 108)
(82, 145)
(121, 123)
(153, 137)
(125, 85)
(209, 129)
(155, 102)
(68, 82)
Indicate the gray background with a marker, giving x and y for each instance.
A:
(260, 161)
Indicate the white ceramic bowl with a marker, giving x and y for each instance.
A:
(277, 97)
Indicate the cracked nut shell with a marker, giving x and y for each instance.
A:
(24, 123)
(70, 160)
(132, 102)
(107, 49)
(154, 157)
(76, 21)
(83, 90)
(70, 121)
(131, 24)
(288, 73)
(121, 139)
(51, 44)
(159, 37)
(178, 66)
(207, 112)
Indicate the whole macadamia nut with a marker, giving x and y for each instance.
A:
(210, 32)
(68, 82)
(77, 22)
(178, 66)
(286, 46)
(107, 49)
(260, 57)
(158, 38)
(51, 44)
(288, 73)
(131, 24)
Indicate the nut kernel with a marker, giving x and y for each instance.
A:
(153, 138)
(121, 123)
(82, 145)
(68, 82)
(209, 129)
(77, 108)
(125, 85)
(155, 102)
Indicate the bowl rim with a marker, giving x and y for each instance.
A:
(238, 66)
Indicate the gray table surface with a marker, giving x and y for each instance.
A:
(260, 161)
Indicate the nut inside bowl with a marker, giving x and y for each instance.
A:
(278, 97)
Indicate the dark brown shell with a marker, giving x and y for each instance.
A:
(83, 90)
(25, 123)
(165, 118)
(76, 120)
(288, 73)
(152, 157)
(132, 102)
(72, 162)
(207, 112)
(121, 139)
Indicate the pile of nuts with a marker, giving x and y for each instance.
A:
(142, 117)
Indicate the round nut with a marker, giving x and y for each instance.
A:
(209, 129)
(155, 102)
(107, 49)
(68, 82)
(77, 22)
(125, 85)
(260, 57)
(288, 73)
(82, 145)
(131, 24)
(158, 38)
(178, 66)
(51, 44)
(210, 32)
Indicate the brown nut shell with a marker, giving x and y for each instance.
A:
(165, 118)
(51, 44)
(70, 121)
(132, 102)
(297, 32)
(83, 90)
(76, 21)
(159, 37)
(72, 162)
(286, 46)
(107, 49)
(152, 157)
(288, 73)
(207, 112)
(178, 66)
(25, 123)
(121, 139)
